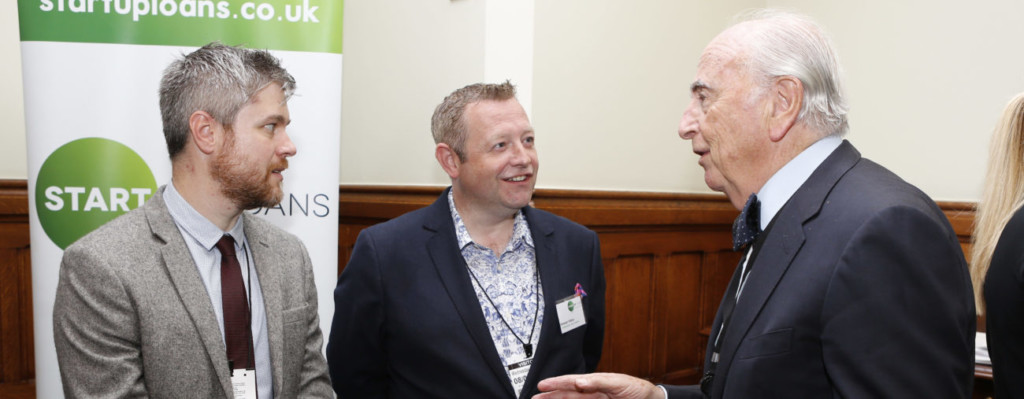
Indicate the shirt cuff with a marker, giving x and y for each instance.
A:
(663, 390)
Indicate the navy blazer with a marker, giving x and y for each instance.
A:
(860, 290)
(1004, 305)
(408, 324)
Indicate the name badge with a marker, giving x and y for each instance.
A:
(570, 313)
(244, 383)
(517, 372)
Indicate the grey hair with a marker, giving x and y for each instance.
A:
(447, 125)
(217, 79)
(780, 44)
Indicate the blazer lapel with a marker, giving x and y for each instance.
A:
(265, 259)
(554, 285)
(183, 273)
(780, 247)
(451, 268)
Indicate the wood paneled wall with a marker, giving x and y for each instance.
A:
(667, 262)
(17, 357)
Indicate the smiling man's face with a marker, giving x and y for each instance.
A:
(499, 171)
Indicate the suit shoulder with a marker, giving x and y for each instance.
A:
(125, 244)
(1007, 246)
(125, 233)
(872, 188)
(869, 195)
(1015, 226)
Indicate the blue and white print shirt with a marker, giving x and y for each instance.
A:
(512, 282)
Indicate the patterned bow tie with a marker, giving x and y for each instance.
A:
(747, 225)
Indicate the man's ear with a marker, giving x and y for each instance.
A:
(202, 129)
(448, 159)
(786, 100)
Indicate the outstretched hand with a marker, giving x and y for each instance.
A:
(597, 386)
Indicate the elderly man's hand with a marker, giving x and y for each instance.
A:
(598, 385)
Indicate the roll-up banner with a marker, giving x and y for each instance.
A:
(95, 140)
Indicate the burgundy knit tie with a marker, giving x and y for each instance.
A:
(237, 334)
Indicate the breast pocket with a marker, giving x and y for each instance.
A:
(773, 343)
(295, 315)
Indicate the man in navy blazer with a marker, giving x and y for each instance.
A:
(478, 295)
(853, 283)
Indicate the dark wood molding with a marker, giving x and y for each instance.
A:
(593, 208)
(961, 216)
(13, 200)
(382, 202)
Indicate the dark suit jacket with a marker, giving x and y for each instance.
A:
(132, 317)
(1004, 307)
(407, 322)
(860, 290)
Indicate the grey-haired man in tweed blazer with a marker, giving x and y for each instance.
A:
(142, 304)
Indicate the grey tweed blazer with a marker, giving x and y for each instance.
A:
(132, 317)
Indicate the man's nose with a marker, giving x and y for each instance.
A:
(520, 154)
(688, 124)
(286, 148)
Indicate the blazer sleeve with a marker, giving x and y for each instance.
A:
(683, 391)
(313, 379)
(594, 339)
(355, 352)
(95, 330)
(898, 314)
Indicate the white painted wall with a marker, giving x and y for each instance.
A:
(611, 82)
(401, 57)
(927, 81)
(606, 82)
(13, 158)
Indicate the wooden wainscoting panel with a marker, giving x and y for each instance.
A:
(961, 216)
(17, 357)
(16, 350)
(628, 326)
(676, 297)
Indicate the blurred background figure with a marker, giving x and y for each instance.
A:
(997, 257)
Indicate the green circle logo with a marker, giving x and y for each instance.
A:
(86, 183)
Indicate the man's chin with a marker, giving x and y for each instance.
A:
(268, 201)
(519, 201)
(274, 199)
(714, 185)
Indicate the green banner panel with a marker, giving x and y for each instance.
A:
(293, 25)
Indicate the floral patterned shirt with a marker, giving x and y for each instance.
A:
(507, 286)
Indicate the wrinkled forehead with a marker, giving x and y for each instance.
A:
(724, 49)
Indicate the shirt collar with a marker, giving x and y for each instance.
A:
(784, 183)
(196, 225)
(520, 228)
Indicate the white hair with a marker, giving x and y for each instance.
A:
(780, 43)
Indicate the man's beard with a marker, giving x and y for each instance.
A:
(249, 189)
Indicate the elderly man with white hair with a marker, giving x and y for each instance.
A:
(852, 282)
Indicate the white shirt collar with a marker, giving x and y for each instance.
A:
(784, 183)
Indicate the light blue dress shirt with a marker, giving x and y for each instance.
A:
(784, 183)
(201, 236)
